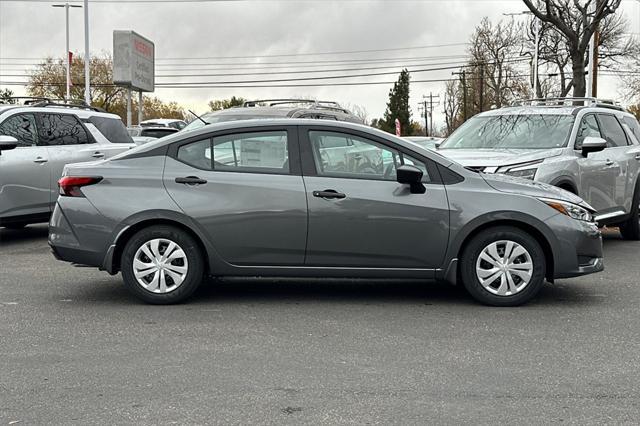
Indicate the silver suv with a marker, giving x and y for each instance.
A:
(586, 146)
(37, 141)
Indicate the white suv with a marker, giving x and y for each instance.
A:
(37, 141)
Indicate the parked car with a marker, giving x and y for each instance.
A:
(268, 198)
(150, 131)
(585, 146)
(428, 142)
(36, 141)
(164, 122)
(277, 108)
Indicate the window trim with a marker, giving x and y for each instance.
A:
(626, 137)
(292, 149)
(90, 138)
(309, 166)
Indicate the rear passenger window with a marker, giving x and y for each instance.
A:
(22, 127)
(588, 127)
(112, 128)
(62, 129)
(265, 152)
(612, 131)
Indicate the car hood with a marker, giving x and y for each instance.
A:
(515, 185)
(497, 157)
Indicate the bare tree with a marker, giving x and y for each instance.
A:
(452, 105)
(576, 20)
(555, 78)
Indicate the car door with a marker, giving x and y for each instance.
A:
(67, 142)
(598, 172)
(359, 215)
(617, 156)
(245, 190)
(24, 171)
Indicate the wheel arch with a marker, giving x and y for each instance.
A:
(112, 263)
(544, 238)
(566, 183)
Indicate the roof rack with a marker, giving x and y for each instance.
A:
(569, 101)
(331, 105)
(39, 101)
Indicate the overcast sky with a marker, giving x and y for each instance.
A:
(33, 29)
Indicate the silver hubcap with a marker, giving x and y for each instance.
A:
(504, 268)
(160, 265)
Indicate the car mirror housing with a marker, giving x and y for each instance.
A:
(412, 176)
(593, 144)
(7, 142)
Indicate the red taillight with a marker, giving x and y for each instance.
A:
(70, 185)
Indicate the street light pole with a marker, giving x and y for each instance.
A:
(87, 59)
(67, 62)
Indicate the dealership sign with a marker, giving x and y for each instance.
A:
(133, 61)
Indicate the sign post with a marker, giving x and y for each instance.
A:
(133, 66)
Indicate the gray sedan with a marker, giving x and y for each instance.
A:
(315, 198)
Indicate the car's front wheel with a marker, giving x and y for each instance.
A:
(162, 265)
(503, 266)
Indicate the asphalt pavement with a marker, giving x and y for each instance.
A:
(76, 348)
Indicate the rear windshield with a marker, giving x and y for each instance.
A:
(112, 128)
(157, 133)
(525, 131)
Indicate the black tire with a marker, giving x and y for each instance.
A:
(15, 225)
(473, 250)
(193, 253)
(630, 229)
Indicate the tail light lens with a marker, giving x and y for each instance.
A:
(70, 185)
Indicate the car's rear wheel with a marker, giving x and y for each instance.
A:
(630, 229)
(162, 265)
(503, 266)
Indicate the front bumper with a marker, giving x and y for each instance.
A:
(578, 249)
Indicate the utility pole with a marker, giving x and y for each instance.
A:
(67, 62)
(87, 59)
(427, 106)
(594, 50)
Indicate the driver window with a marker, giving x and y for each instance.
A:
(588, 127)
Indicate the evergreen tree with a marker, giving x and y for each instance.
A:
(398, 106)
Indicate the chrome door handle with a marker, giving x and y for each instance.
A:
(40, 160)
(609, 163)
(637, 157)
(191, 180)
(98, 154)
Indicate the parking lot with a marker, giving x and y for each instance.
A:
(76, 347)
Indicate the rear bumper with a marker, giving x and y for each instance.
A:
(74, 244)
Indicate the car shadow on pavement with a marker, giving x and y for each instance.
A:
(27, 234)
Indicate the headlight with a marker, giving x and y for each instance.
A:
(524, 171)
(572, 210)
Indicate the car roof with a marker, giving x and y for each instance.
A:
(279, 122)
(262, 111)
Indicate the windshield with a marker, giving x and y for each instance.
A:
(525, 131)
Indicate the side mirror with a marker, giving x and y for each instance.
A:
(593, 144)
(412, 176)
(7, 142)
